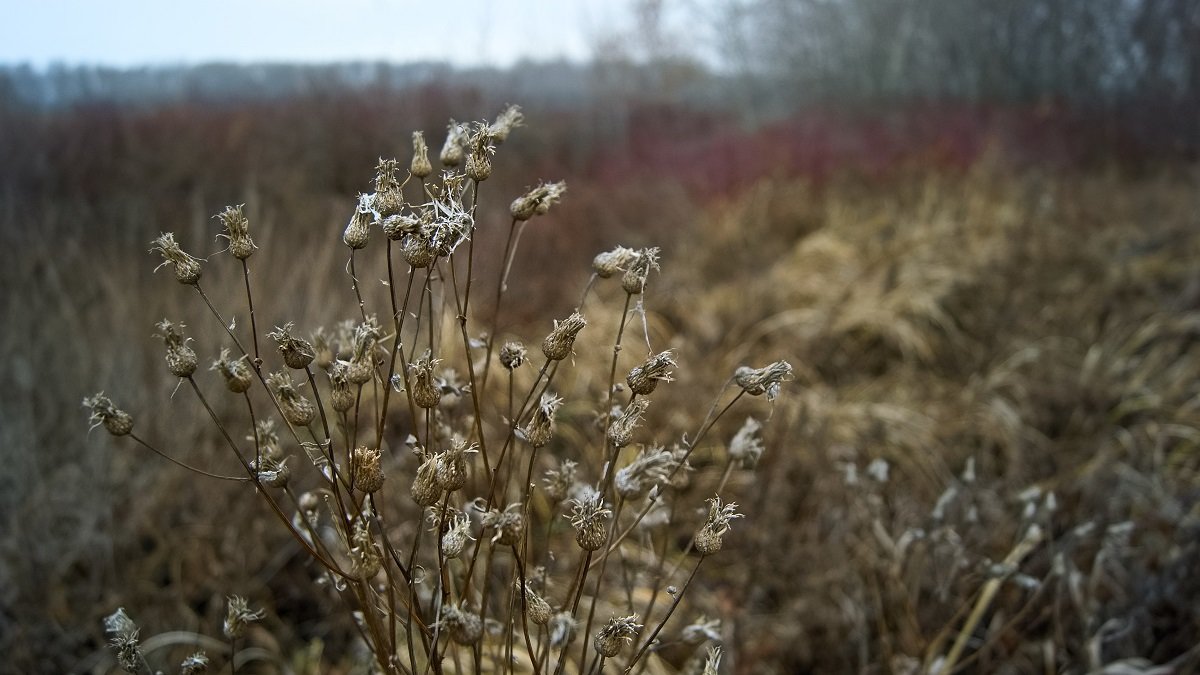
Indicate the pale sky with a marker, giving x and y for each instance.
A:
(145, 32)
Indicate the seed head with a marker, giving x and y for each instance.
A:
(452, 149)
(396, 226)
(116, 422)
(479, 159)
(508, 119)
(426, 389)
(358, 230)
(195, 664)
(512, 355)
(558, 482)
(417, 251)
(634, 279)
(297, 352)
(540, 429)
(709, 538)
(238, 615)
(420, 166)
(462, 626)
(362, 358)
(558, 344)
(368, 470)
(454, 541)
(187, 267)
(425, 490)
(181, 359)
(746, 446)
(452, 465)
(620, 431)
(537, 201)
(618, 631)
(609, 263)
(765, 380)
(296, 409)
(649, 469)
(589, 517)
(124, 640)
(237, 231)
(536, 607)
(266, 439)
(508, 525)
(341, 398)
(235, 372)
(365, 559)
(388, 200)
(645, 378)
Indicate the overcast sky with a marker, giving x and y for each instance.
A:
(142, 32)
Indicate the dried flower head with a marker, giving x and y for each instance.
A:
(510, 118)
(537, 201)
(426, 389)
(620, 431)
(463, 627)
(358, 230)
(651, 467)
(296, 409)
(540, 428)
(124, 640)
(116, 422)
(479, 159)
(634, 279)
(272, 471)
(341, 398)
(452, 465)
(237, 231)
(425, 490)
(765, 380)
(645, 378)
(558, 344)
(187, 267)
(451, 221)
(297, 352)
(609, 263)
(709, 538)
(536, 607)
(457, 535)
(365, 557)
(266, 438)
(396, 227)
(235, 372)
(368, 469)
(508, 525)
(181, 359)
(420, 166)
(364, 339)
(387, 200)
(558, 481)
(746, 446)
(618, 631)
(512, 355)
(238, 615)
(417, 250)
(452, 149)
(195, 664)
(589, 517)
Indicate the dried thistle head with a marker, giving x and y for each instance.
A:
(508, 525)
(765, 380)
(395, 227)
(425, 490)
(606, 264)
(589, 517)
(537, 201)
(645, 378)
(651, 467)
(425, 387)
(452, 465)
(295, 407)
(297, 352)
(558, 482)
(368, 469)
(358, 230)
(634, 279)
(387, 200)
(540, 428)
(272, 471)
(454, 541)
(340, 395)
(463, 626)
(124, 640)
(620, 431)
(196, 664)
(235, 372)
(104, 413)
(536, 607)
(364, 338)
(452, 149)
(510, 118)
(481, 148)
(237, 231)
(187, 267)
(266, 438)
(709, 538)
(746, 446)
(420, 166)
(558, 344)
(512, 355)
(616, 632)
(238, 615)
(365, 558)
(181, 359)
(450, 220)
(417, 250)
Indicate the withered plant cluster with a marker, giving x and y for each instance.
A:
(465, 513)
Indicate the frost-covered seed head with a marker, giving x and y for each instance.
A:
(116, 422)
(615, 634)
(558, 344)
(297, 352)
(187, 267)
(181, 359)
(765, 380)
(368, 469)
(644, 379)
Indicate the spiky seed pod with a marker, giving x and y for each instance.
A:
(510, 118)
(479, 159)
(365, 558)
(463, 627)
(116, 422)
(589, 517)
(417, 251)
(181, 359)
(645, 378)
(368, 470)
(634, 280)
(615, 634)
(388, 200)
(540, 428)
(296, 409)
(297, 352)
(452, 465)
(235, 372)
(537, 201)
(396, 226)
(362, 359)
(340, 396)
(196, 664)
(426, 389)
(425, 490)
(537, 609)
(238, 615)
(187, 267)
(124, 640)
(649, 469)
(452, 149)
(710, 537)
(746, 446)
(620, 431)
(454, 541)
(765, 380)
(606, 264)
(512, 355)
(358, 230)
(237, 231)
(558, 482)
(507, 525)
(558, 344)
(420, 166)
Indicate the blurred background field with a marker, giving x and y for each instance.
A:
(972, 227)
